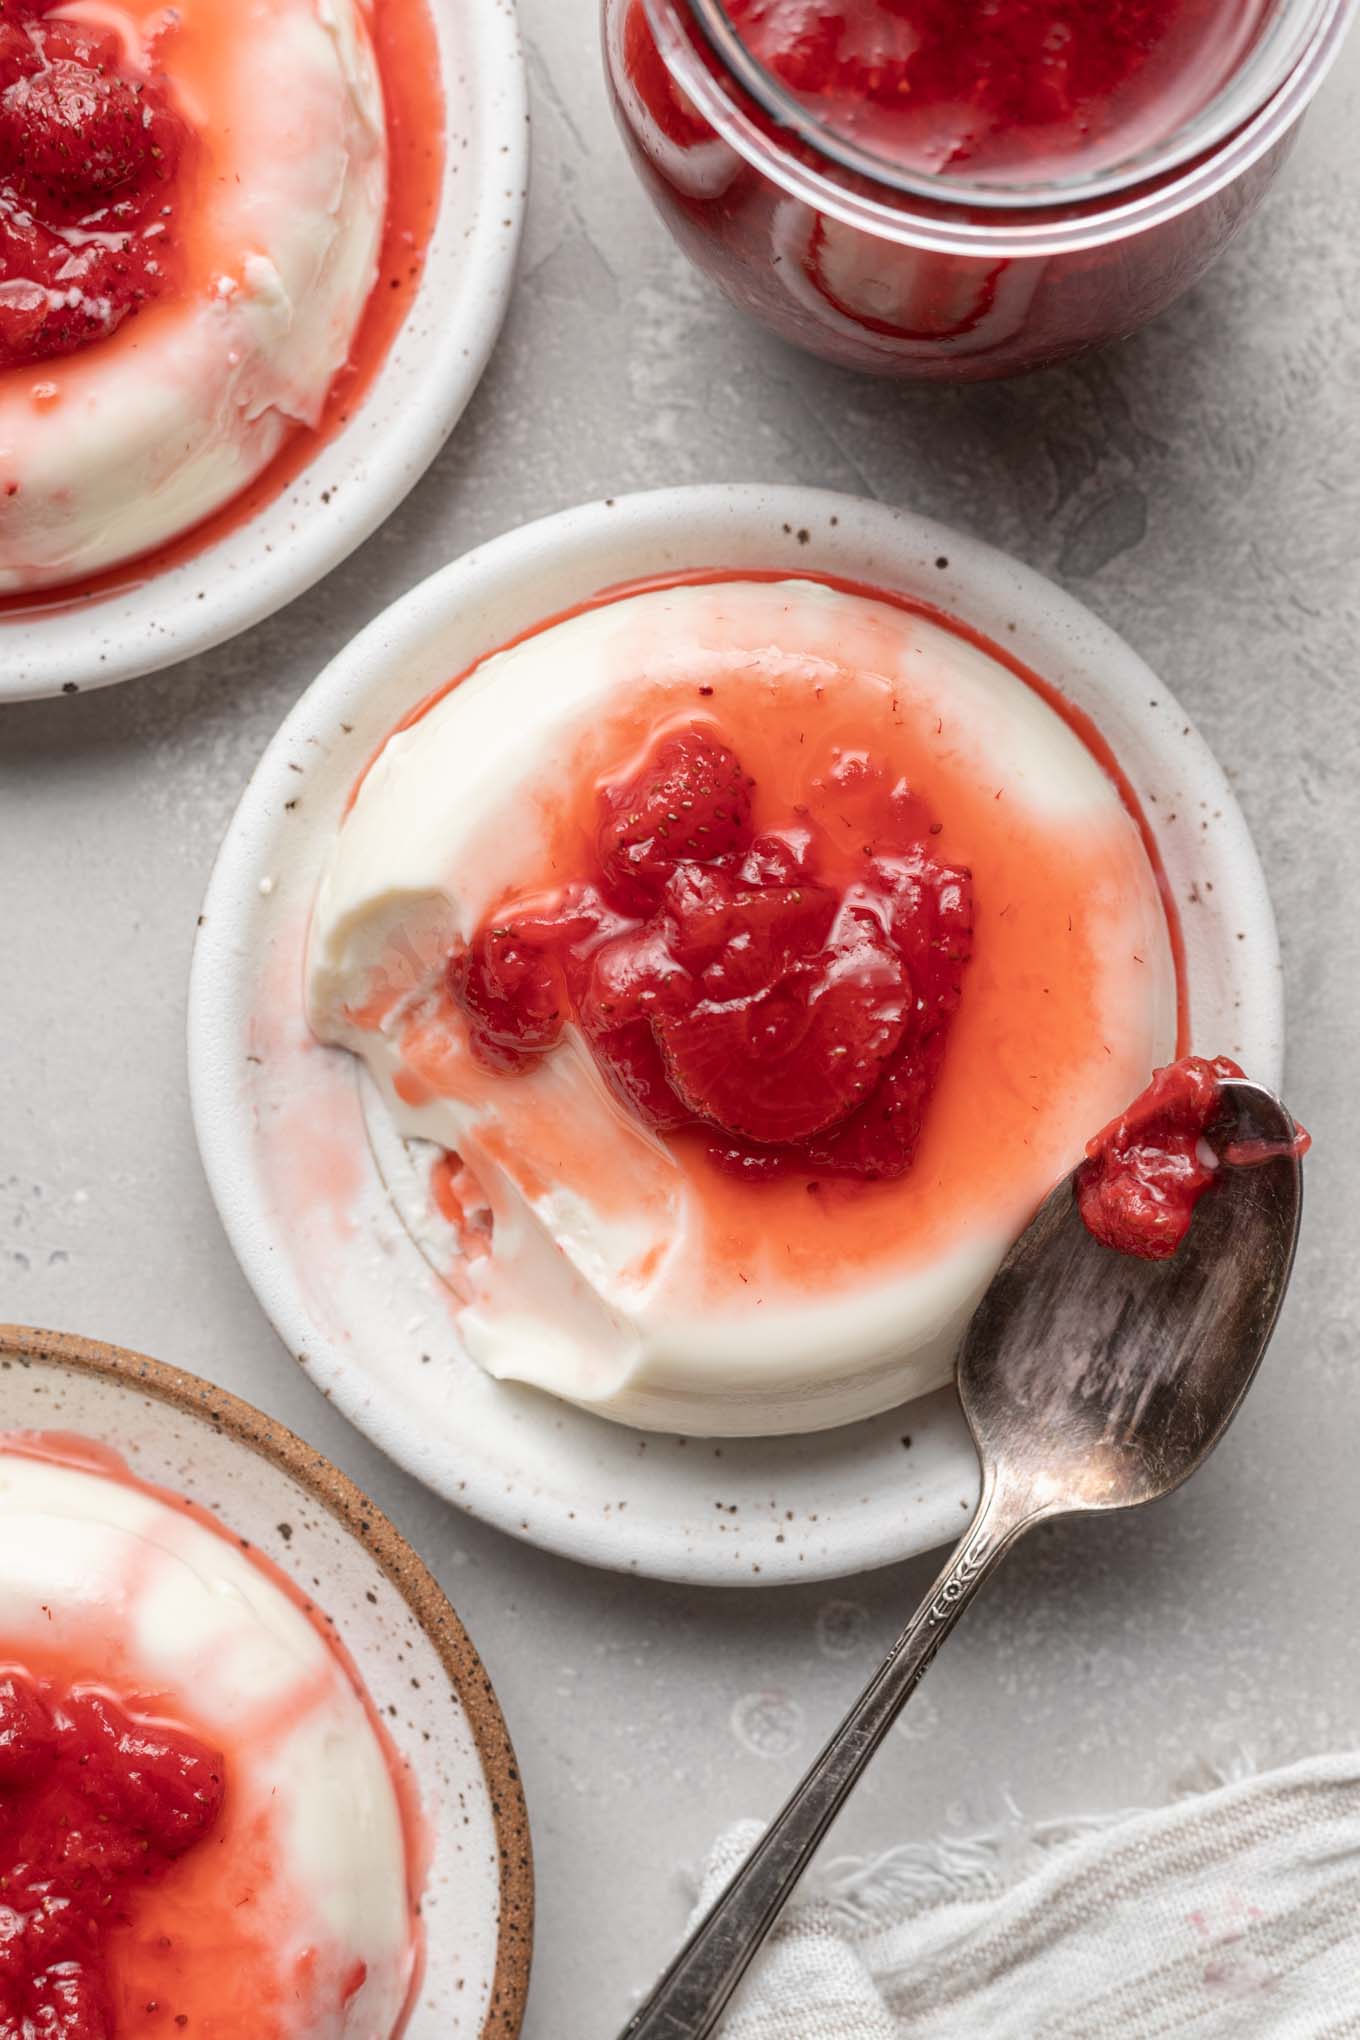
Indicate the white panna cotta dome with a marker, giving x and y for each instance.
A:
(98, 1569)
(617, 1268)
(279, 209)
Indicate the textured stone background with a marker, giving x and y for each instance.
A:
(1200, 488)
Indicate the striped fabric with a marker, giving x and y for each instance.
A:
(1230, 1915)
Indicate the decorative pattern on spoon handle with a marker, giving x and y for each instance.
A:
(967, 1567)
(692, 1995)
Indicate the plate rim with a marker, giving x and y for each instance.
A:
(405, 1570)
(295, 551)
(357, 668)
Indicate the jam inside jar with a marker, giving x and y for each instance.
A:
(952, 190)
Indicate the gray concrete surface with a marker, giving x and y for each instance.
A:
(1200, 488)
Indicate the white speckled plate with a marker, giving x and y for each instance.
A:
(280, 1121)
(358, 476)
(410, 1648)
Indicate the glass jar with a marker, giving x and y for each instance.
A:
(903, 273)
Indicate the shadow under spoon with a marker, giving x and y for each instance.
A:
(1090, 1380)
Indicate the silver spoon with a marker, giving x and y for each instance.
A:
(1090, 1380)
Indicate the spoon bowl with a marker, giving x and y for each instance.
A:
(1097, 1380)
(1090, 1380)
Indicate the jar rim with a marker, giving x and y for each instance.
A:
(1292, 29)
(948, 225)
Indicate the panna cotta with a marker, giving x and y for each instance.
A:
(744, 960)
(205, 1829)
(192, 204)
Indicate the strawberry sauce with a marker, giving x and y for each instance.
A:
(89, 149)
(734, 980)
(1147, 1170)
(96, 1805)
(1001, 88)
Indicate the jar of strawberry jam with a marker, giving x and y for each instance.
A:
(961, 189)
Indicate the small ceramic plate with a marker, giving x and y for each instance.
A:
(410, 1648)
(280, 1120)
(358, 476)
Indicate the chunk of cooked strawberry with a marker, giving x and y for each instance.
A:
(632, 1064)
(799, 40)
(100, 284)
(738, 937)
(28, 1737)
(689, 802)
(84, 146)
(69, 2001)
(25, 307)
(510, 990)
(931, 902)
(149, 1777)
(802, 1055)
(1147, 1209)
(509, 978)
(1145, 1172)
(16, 49)
(75, 130)
(618, 987)
(879, 1141)
(778, 857)
(656, 84)
(930, 922)
(632, 976)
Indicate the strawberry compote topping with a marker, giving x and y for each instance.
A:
(1145, 1172)
(978, 87)
(724, 982)
(88, 155)
(95, 1805)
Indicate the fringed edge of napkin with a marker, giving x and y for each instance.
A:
(859, 1895)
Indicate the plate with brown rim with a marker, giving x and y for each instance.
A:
(411, 1652)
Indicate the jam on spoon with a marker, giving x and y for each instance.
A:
(1147, 1170)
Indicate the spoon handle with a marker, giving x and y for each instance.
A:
(691, 1996)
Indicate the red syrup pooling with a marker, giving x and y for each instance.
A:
(89, 151)
(96, 1803)
(1146, 1171)
(723, 980)
(990, 88)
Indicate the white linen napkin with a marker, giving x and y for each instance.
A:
(1233, 1913)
